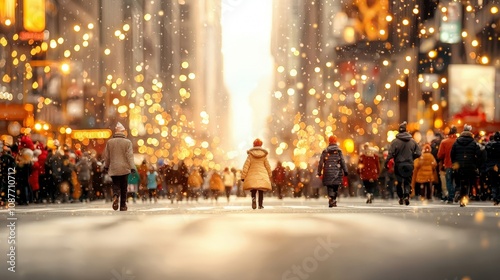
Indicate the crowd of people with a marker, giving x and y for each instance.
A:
(454, 169)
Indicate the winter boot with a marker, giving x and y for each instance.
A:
(254, 203)
(261, 199)
(115, 202)
(407, 200)
(370, 198)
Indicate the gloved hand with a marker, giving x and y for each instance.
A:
(133, 171)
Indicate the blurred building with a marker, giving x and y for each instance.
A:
(359, 68)
(156, 66)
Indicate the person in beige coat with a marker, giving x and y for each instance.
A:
(119, 163)
(257, 174)
(216, 185)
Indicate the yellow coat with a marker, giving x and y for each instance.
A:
(257, 171)
(194, 180)
(216, 183)
(425, 169)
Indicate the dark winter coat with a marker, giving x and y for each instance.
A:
(404, 149)
(55, 164)
(7, 164)
(466, 153)
(492, 155)
(332, 165)
(83, 169)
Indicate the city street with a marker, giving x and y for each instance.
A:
(289, 239)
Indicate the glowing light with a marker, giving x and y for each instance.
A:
(65, 68)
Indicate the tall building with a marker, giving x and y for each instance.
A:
(156, 66)
(359, 68)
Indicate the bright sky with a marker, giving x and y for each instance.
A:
(248, 65)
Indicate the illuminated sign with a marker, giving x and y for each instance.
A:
(36, 36)
(91, 134)
(34, 15)
(450, 30)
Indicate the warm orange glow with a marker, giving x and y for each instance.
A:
(91, 134)
(7, 12)
(34, 15)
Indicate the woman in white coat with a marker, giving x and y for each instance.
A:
(256, 174)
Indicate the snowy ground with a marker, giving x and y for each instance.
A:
(290, 239)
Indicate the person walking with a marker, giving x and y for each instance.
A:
(369, 170)
(119, 163)
(7, 167)
(404, 150)
(256, 174)
(425, 174)
(228, 178)
(83, 169)
(143, 180)
(279, 179)
(444, 155)
(466, 156)
(195, 181)
(133, 181)
(331, 169)
(216, 185)
(492, 167)
(152, 184)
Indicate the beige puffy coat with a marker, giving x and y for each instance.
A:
(118, 155)
(195, 180)
(216, 183)
(257, 171)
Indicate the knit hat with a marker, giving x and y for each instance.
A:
(257, 143)
(119, 127)
(332, 139)
(496, 136)
(467, 127)
(402, 127)
(427, 148)
(453, 130)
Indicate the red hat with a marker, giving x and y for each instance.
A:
(427, 148)
(332, 139)
(257, 143)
